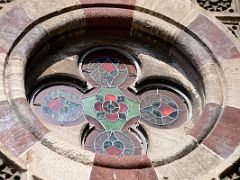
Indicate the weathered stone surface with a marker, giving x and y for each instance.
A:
(225, 167)
(231, 70)
(206, 121)
(216, 40)
(14, 77)
(161, 140)
(12, 25)
(46, 164)
(224, 139)
(29, 44)
(143, 22)
(68, 65)
(66, 22)
(70, 151)
(12, 133)
(135, 167)
(213, 87)
(192, 49)
(39, 9)
(153, 68)
(202, 42)
(176, 10)
(28, 118)
(193, 166)
(108, 21)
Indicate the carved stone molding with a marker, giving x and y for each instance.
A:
(215, 5)
(8, 171)
(227, 11)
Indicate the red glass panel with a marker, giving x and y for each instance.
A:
(98, 106)
(114, 151)
(55, 105)
(108, 66)
(123, 108)
(111, 116)
(166, 110)
(111, 97)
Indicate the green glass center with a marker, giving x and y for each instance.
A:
(111, 107)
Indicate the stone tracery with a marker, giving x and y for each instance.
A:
(215, 5)
(111, 108)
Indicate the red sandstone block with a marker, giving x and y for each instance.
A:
(206, 121)
(115, 18)
(30, 43)
(122, 168)
(123, 162)
(34, 125)
(99, 173)
(108, 17)
(12, 25)
(225, 137)
(192, 49)
(218, 42)
(13, 134)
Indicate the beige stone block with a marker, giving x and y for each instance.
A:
(65, 65)
(212, 83)
(14, 79)
(71, 133)
(154, 26)
(152, 67)
(46, 164)
(223, 166)
(66, 22)
(231, 70)
(174, 9)
(2, 63)
(36, 9)
(70, 151)
(193, 166)
(166, 143)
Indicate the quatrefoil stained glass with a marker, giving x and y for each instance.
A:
(109, 105)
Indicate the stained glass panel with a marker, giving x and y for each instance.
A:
(110, 106)
(162, 108)
(62, 106)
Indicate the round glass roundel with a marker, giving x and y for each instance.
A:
(108, 67)
(163, 108)
(59, 105)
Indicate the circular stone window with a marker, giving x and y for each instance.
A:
(111, 104)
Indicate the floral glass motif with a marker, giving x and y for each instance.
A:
(111, 108)
(160, 109)
(114, 143)
(62, 106)
(108, 71)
